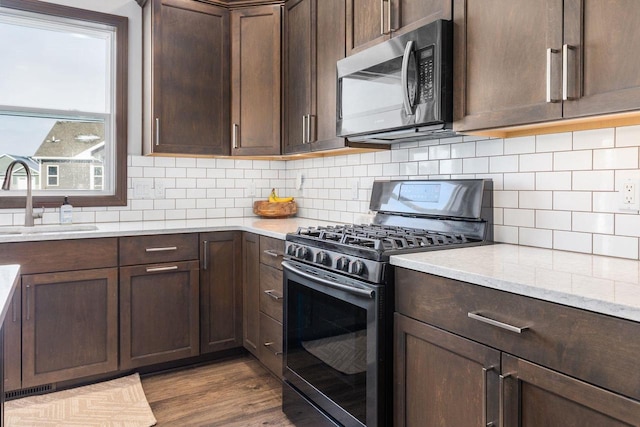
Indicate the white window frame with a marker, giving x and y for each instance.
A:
(56, 175)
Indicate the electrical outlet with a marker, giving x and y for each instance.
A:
(629, 195)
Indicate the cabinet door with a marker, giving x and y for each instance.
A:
(12, 344)
(370, 22)
(220, 291)
(330, 47)
(441, 378)
(190, 78)
(251, 292)
(255, 80)
(299, 63)
(543, 397)
(69, 325)
(159, 314)
(366, 24)
(603, 62)
(500, 60)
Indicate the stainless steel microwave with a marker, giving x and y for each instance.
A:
(399, 90)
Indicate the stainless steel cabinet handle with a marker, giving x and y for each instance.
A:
(28, 302)
(163, 249)
(15, 310)
(269, 345)
(389, 29)
(273, 294)
(273, 253)
(157, 130)
(382, 32)
(234, 135)
(550, 53)
(156, 269)
(477, 316)
(484, 394)
(304, 130)
(205, 254)
(501, 399)
(565, 73)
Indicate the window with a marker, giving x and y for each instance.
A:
(63, 102)
(52, 176)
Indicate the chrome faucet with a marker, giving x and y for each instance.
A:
(6, 185)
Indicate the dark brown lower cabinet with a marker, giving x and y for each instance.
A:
(12, 335)
(467, 355)
(251, 292)
(220, 291)
(441, 378)
(69, 325)
(159, 319)
(537, 396)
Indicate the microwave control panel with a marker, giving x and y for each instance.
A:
(426, 74)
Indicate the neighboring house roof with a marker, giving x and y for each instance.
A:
(70, 139)
(5, 159)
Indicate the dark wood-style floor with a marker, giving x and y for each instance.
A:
(235, 392)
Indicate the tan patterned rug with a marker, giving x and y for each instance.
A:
(116, 403)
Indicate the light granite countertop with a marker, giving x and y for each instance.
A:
(8, 283)
(601, 284)
(277, 228)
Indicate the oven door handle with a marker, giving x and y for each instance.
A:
(354, 291)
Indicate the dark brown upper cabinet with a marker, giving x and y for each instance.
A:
(314, 40)
(370, 22)
(255, 80)
(523, 62)
(186, 78)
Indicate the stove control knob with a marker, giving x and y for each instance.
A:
(303, 253)
(343, 264)
(357, 268)
(323, 258)
(291, 250)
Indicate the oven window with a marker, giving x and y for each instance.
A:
(327, 346)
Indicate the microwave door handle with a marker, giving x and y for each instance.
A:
(408, 51)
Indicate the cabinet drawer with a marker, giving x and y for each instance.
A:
(596, 348)
(271, 295)
(158, 248)
(60, 255)
(270, 348)
(271, 251)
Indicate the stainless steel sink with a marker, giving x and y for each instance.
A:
(52, 228)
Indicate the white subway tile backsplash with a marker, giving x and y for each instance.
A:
(503, 164)
(617, 246)
(535, 200)
(464, 149)
(606, 201)
(438, 152)
(627, 225)
(519, 181)
(475, 165)
(535, 237)
(572, 241)
(505, 234)
(599, 138)
(573, 160)
(601, 223)
(451, 166)
(491, 147)
(429, 168)
(628, 136)
(554, 142)
(616, 158)
(554, 181)
(505, 199)
(521, 145)
(519, 217)
(593, 180)
(536, 162)
(553, 220)
(572, 200)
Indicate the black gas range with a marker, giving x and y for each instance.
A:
(338, 286)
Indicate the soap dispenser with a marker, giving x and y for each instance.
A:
(66, 212)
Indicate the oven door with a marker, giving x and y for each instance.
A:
(332, 340)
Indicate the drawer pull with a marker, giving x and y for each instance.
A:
(477, 316)
(485, 371)
(501, 398)
(273, 294)
(165, 249)
(272, 253)
(269, 345)
(156, 269)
